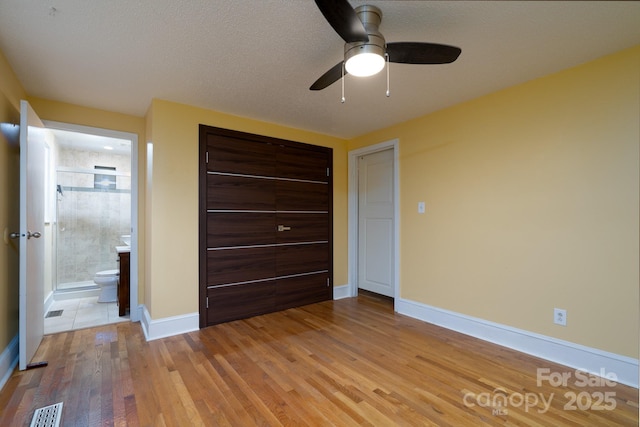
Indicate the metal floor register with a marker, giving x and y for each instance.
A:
(49, 416)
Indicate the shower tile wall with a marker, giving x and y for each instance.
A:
(90, 221)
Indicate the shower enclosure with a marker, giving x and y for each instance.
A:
(93, 209)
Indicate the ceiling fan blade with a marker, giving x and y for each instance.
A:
(422, 53)
(343, 19)
(328, 78)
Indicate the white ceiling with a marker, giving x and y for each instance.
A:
(257, 58)
(89, 142)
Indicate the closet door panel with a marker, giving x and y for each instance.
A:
(240, 193)
(301, 259)
(303, 227)
(238, 302)
(228, 266)
(250, 185)
(303, 164)
(226, 229)
(238, 156)
(302, 196)
(297, 291)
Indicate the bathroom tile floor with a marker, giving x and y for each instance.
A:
(81, 313)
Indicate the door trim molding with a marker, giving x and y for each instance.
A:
(353, 213)
(134, 315)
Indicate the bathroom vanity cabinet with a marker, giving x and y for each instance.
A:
(123, 283)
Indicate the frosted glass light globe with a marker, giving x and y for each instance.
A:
(364, 64)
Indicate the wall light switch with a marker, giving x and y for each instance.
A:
(421, 207)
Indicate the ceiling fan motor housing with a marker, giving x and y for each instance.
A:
(371, 17)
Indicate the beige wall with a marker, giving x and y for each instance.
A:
(11, 92)
(532, 198)
(173, 203)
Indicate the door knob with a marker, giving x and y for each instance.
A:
(14, 235)
(35, 235)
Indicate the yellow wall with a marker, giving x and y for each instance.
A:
(173, 264)
(11, 92)
(85, 116)
(532, 197)
(168, 262)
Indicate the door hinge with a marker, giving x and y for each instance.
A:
(328, 283)
(328, 172)
(207, 302)
(206, 157)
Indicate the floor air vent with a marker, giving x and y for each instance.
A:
(54, 313)
(49, 416)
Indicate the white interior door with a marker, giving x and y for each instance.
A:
(32, 162)
(376, 223)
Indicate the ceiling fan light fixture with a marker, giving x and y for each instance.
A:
(366, 50)
(365, 59)
(365, 64)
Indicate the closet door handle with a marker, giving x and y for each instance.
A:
(283, 228)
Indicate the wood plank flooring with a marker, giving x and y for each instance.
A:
(342, 363)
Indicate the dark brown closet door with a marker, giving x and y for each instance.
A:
(303, 248)
(265, 225)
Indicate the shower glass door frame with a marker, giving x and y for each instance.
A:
(90, 218)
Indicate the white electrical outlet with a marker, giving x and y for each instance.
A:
(560, 316)
(421, 207)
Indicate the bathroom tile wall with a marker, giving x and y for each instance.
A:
(90, 221)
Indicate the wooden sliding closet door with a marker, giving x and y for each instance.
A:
(265, 225)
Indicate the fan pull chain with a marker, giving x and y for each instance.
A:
(342, 81)
(386, 56)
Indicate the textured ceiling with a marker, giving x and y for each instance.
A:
(257, 58)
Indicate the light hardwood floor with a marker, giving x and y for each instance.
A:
(346, 362)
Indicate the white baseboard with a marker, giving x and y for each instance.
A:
(48, 301)
(168, 326)
(340, 292)
(75, 294)
(8, 361)
(566, 353)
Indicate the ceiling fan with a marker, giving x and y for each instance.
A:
(365, 50)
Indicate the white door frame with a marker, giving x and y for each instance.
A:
(354, 214)
(134, 314)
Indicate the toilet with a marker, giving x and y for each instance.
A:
(108, 282)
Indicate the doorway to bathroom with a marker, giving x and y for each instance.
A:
(91, 221)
